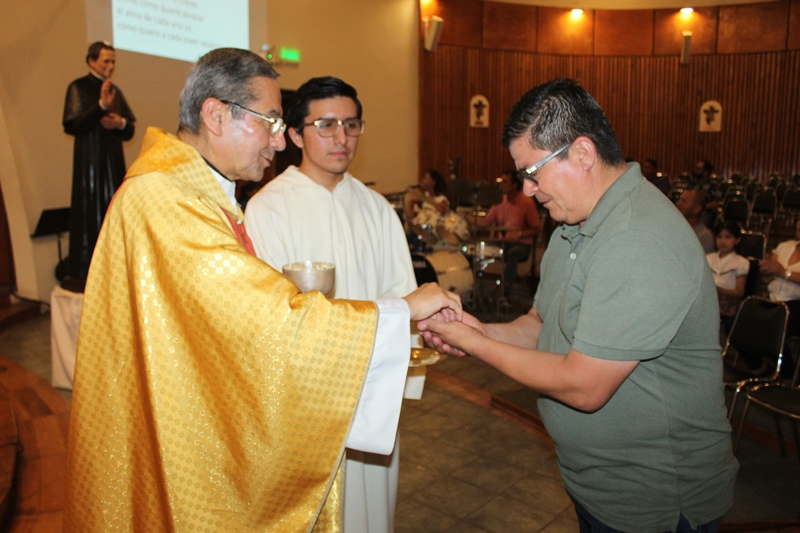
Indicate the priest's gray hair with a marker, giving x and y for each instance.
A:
(224, 73)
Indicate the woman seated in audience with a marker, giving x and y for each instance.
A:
(784, 265)
(729, 269)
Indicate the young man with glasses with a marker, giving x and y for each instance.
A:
(622, 340)
(319, 211)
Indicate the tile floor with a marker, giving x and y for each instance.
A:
(469, 467)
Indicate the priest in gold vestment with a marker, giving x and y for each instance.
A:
(210, 394)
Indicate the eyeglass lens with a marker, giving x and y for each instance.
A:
(328, 127)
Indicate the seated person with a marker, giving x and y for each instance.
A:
(730, 271)
(690, 203)
(784, 265)
(519, 216)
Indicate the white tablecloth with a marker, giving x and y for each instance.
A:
(65, 319)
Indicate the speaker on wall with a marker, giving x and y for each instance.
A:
(433, 30)
(686, 48)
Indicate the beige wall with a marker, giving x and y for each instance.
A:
(372, 44)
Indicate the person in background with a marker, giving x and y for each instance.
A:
(690, 203)
(210, 393)
(702, 177)
(783, 264)
(519, 218)
(319, 211)
(621, 343)
(650, 171)
(730, 271)
(98, 116)
(431, 192)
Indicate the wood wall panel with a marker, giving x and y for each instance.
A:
(560, 34)
(624, 32)
(753, 27)
(652, 103)
(670, 25)
(509, 26)
(793, 24)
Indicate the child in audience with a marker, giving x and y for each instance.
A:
(729, 269)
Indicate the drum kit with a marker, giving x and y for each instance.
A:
(447, 249)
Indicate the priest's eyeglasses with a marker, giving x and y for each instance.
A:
(329, 127)
(276, 125)
(530, 172)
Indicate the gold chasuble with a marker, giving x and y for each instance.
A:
(210, 394)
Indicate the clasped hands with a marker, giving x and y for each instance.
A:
(441, 320)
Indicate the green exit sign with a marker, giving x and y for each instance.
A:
(290, 55)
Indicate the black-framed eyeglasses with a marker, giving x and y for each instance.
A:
(276, 125)
(329, 127)
(530, 172)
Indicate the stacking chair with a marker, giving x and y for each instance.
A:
(736, 209)
(759, 330)
(781, 400)
(752, 246)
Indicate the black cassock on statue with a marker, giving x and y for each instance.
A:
(98, 167)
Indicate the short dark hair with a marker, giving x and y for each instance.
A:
(516, 177)
(439, 183)
(224, 73)
(556, 113)
(94, 49)
(318, 89)
(652, 162)
(732, 226)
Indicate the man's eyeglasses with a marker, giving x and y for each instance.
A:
(329, 127)
(276, 125)
(530, 172)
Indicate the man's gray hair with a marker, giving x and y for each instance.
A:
(224, 73)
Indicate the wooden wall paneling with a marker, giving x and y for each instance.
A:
(509, 26)
(463, 22)
(670, 24)
(753, 27)
(653, 104)
(560, 34)
(624, 32)
(793, 26)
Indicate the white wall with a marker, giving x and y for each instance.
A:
(372, 44)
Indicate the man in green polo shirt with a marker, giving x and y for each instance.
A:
(621, 342)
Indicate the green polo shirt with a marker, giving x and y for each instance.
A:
(633, 284)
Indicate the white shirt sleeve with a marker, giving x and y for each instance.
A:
(378, 411)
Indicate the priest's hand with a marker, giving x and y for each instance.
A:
(452, 338)
(430, 299)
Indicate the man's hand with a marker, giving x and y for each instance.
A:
(452, 338)
(430, 299)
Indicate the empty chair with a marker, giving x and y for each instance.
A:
(782, 401)
(765, 202)
(752, 245)
(737, 209)
(757, 334)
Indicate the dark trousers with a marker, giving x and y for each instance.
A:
(590, 524)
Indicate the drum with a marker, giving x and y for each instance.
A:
(483, 250)
(453, 228)
(425, 223)
(449, 268)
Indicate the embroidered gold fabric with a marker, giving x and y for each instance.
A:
(210, 395)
